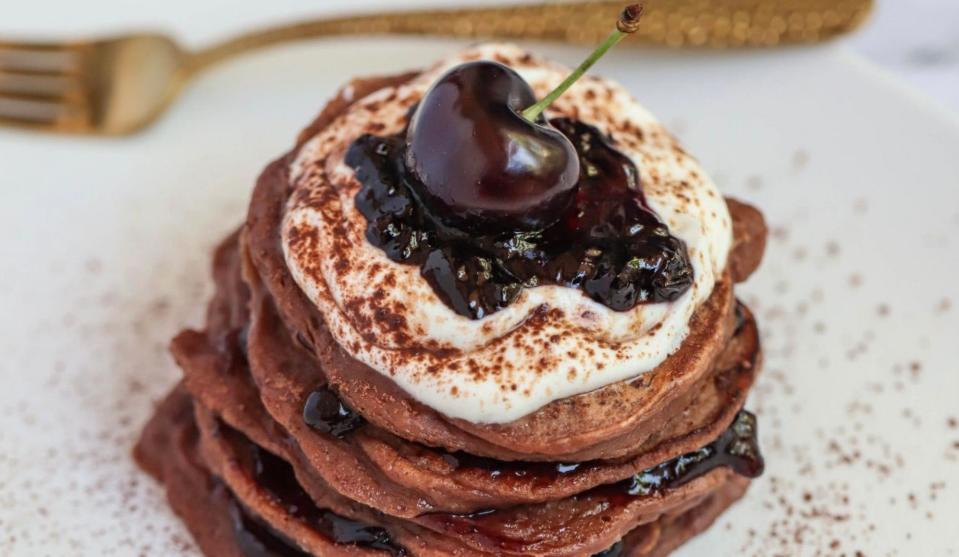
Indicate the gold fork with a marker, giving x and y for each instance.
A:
(119, 85)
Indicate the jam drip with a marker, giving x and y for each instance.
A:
(741, 318)
(275, 475)
(324, 411)
(609, 243)
(614, 550)
(542, 473)
(256, 539)
(737, 448)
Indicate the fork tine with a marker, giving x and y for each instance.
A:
(29, 72)
(44, 116)
(36, 46)
(48, 83)
(27, 123)
(26, 60)
(32, 110)
(40, 86)
(33, 96)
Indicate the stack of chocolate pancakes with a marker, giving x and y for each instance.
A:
(282, 439)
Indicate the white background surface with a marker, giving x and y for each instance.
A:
(919, 41)
(104, 249)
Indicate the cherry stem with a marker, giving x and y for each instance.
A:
(628, 23)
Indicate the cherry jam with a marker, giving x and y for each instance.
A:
(737, 448)
(614, 550)
(257, 539)
(608, 242)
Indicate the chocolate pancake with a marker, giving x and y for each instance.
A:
(398, 477)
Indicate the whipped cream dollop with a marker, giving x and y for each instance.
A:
(552, 342)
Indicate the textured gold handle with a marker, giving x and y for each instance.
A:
(675, 23)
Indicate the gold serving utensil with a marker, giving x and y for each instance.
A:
(119, 85)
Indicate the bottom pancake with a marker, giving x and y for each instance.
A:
(169, 450)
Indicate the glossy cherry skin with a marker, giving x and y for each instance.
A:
(481, 164)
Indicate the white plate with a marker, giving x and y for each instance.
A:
(105, 247)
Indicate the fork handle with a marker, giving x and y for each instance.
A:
(504, 22)
(718, 23)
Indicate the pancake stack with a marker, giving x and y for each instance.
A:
(278, 442)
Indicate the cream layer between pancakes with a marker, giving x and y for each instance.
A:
(552, 342)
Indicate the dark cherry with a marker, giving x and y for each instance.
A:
(482, 153)
(479, 162)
